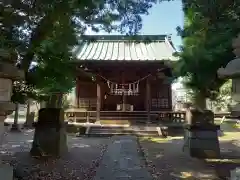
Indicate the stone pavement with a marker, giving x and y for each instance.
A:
(121, 161)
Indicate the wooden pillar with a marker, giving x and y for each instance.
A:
(77, 93)
(148, 98)
(123, 95)
(98, 102)
(170, 97)
(76, 100)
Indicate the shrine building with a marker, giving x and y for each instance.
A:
(118, 74)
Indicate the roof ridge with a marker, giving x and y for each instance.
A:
(124, 37)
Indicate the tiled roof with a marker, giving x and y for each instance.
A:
(112, 47)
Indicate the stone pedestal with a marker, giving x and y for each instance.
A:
(6, 172)
(201, 141)
(8, 73)
(235, 174)
(201, 135)
(50, 134)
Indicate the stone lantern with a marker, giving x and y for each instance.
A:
(8, 73)
(232, 71)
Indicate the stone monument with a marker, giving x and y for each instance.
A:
(200, 134)
(50, 134)
(8, 73)
(232, 71)
(235, 174)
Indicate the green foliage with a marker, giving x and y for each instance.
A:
(46, 31)
(223, 101)
(207, 35)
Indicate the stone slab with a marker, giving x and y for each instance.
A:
(121, 161)
(202, 134)
(201, 144)
(6, 172)
(235, 174)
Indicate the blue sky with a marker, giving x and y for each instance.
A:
(163, 18)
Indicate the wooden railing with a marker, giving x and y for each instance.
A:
(155, 116)
(173, 117)
(81, 117)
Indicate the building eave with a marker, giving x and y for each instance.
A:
(125, 48)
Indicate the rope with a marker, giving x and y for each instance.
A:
(139, 80)
(125, 83)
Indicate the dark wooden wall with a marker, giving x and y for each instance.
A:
(160, 91)
(160, 96)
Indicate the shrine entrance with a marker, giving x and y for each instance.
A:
(123, 94)
(116, 74)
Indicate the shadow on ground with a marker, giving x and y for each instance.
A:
(164, 156)
(166, 160)
(79, 163)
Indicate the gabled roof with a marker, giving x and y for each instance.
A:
(120, 47)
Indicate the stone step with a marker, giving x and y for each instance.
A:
(123, 118)
(124, 128)
(124, 132)
(102, 134)
(144, 131)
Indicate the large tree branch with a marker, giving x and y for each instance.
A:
(43, 30)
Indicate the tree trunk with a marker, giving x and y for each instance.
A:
(199, 101)
(29, 116)
(15, 122)
(55, 101)
(28, 108)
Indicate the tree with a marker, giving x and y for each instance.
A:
(36, 20)
(207, 35)
(45, 32)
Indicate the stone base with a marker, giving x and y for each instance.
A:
(202, 141)
(6, 172)
(50, 134)
(235, 174)
(15, 128)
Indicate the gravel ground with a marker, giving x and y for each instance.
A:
(79, 164)
(166, 161)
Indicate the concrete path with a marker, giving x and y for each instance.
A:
(121, 161)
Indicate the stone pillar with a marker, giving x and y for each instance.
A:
(148, 99)
(8, 73)
(29, 120)
(201, 134)
(29, 115)
(98, 108)
(15, 127)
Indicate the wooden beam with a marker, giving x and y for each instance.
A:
(98, 102)
(148, 98)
